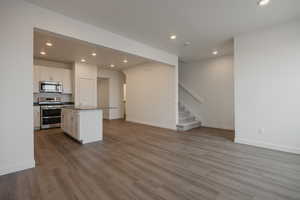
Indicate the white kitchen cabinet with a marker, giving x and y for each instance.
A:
(37, 117)
(57, 73)
(85, 82)
(67, 81)
(36, 79)
(46, 73)
(87, 92)
(84, 125)
(42, 73)
(68, 122)
(52, 74)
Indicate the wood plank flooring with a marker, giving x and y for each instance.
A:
(139, 162)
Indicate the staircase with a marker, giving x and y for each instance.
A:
(187, 120)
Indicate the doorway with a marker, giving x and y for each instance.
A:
(103, 96)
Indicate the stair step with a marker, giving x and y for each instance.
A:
(185, 119)
(184, 114)
(188, 125)
(182, 109)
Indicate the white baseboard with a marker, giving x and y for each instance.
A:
(15, 167)
(115, 118)
(150, 124)
(268, 145)
(218, 128)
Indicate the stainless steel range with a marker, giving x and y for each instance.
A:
(50, 112)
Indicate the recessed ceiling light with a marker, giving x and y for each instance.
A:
(43, 53)
(215, 52)
(125, 61)
(112, 65)
(49, 44)
(82, 60)
(187, 43)
(94, 54)
(173, 37)
(263, 2)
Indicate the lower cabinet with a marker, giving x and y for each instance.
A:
(36, 117)
(82, 125)
(69, 123)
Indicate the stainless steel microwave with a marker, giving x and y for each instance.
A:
(51, 87)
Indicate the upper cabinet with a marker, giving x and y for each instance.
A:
(42, 73)
(87, 92)
(67, 80)
(36, 79)
(85, 82)
(46, 73)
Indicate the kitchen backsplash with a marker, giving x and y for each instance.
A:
(65, 97)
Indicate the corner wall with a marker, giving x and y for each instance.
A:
(16, 86)
(267, 88)
(150, 94)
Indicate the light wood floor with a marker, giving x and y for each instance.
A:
(138, 162)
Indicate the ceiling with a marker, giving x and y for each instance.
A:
(69, 50)
(206, 24)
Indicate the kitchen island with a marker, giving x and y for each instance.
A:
(84, 124)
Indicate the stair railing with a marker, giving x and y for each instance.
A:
(192, 93)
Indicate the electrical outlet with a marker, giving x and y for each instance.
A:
(261, 131)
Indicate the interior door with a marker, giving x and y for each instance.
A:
(103, 96)
(103, 92)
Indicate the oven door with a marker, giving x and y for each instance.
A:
(50, 116)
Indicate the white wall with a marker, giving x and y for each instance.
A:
(16, 75)
(150, 95)
(49, 63)
(212, 81)
(267, 88)
(18, 19)
(116, 81)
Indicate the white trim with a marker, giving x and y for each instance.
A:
(15, 167)
(150, 124)
(267, 145)
(219, 128)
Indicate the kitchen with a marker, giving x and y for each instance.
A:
(54, 103)
(76, 85)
